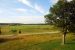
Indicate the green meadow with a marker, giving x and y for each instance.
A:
(10, 40)
(27, 29)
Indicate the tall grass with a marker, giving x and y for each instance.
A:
(38, 42)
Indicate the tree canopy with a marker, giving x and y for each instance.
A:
(62, 14)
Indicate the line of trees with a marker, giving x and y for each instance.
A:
(62, 15)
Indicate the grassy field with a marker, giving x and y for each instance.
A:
(37, 42)
(34, 41)
(27, 29)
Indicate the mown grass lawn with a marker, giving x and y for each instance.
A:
(38, 42)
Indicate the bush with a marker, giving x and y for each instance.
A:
(14, 31)
(19, 31)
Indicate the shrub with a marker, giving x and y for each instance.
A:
(14, 30)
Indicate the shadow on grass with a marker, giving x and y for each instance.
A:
(3, 40)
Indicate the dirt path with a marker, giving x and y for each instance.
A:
(15, 35)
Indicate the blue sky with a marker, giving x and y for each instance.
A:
(24, 11)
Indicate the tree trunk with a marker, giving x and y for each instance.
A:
(63, 39)
(64, 35)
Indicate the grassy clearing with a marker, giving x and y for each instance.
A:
(37, 42)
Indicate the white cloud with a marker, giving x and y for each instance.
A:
(20, 10)
(28, 19)
(55, 1)
(39, 8)
(23, 19)
(35, 6)
(5, 20)
(26, 2)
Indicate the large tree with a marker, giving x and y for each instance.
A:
(62, 14)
